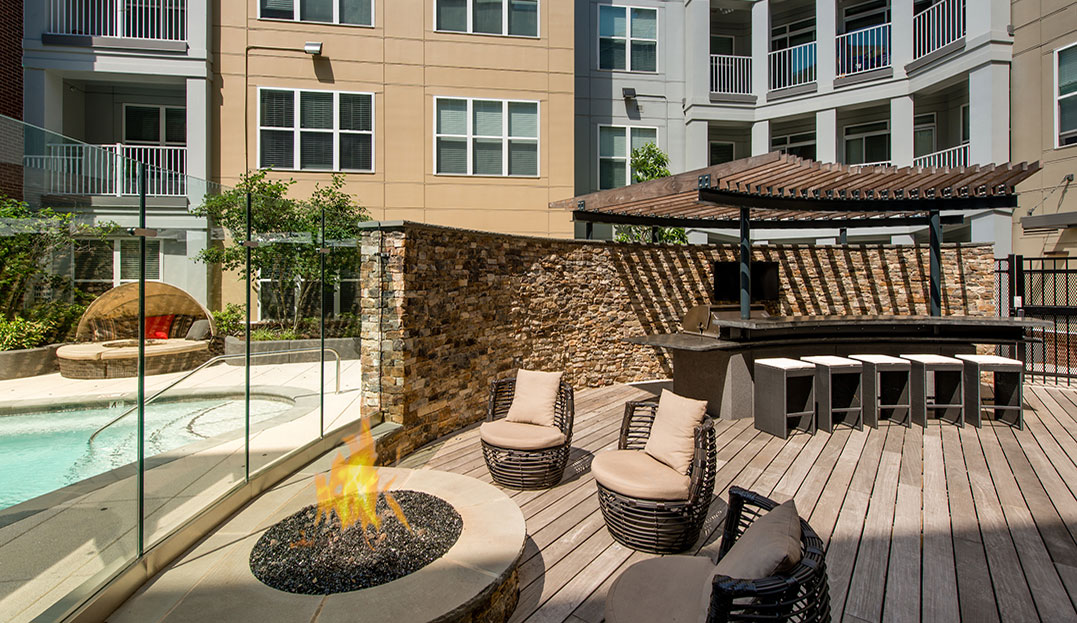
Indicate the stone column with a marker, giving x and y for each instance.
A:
(760, 47)
(760, 137)
(825, 49)
(901, 130)
(826, 135)
(989, 113)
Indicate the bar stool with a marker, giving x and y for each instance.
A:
(784, 396)
(886, 388)
(838, 392)
(1009, 380)
(935, 385)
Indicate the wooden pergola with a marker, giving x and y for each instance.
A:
(782, 191)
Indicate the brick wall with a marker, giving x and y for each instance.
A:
(445, 311)
(11, 59)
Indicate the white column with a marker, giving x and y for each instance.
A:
(697, 58)
(697, 236)
(760, 47)
(760, 137)
(196, 275)
(826, 29)
(994, 226)
(902, 239)
(826, 135)
(696, 152)
(198, 123)
(900, 35)
(989, 114)
(198, 26)
(901, 125)
(987, 19)
(43, 99)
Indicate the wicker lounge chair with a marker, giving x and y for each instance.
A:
(648, 505)
(680, 589)
(525, 455)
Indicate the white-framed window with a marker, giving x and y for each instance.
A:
(315, 130)
(627, 38)
(867, 143)
(721, 152)
(475, 136)
(515, 18)
(615, 146)
(102, 264)
(923, 135)
(151, 124)
(792, 34)
(966, 122)
(801, 145)
(1066, 96)
(722, 44)
(340, 298)
(866, 14)
(349, 12)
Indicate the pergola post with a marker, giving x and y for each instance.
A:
(745, 264)
(936, 262)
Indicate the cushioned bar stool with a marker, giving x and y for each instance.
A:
(886, 388)
(784, 396)
(936, 385)
(1009, 379)
(838, 391)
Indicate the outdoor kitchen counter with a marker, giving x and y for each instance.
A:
(717, 365)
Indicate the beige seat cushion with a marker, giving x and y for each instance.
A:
(769, 546)
(672, 438)
(637, 474)
(520, 436)
(534, 398)
(671, 589)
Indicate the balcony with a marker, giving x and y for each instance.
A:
(731, 75)
(951, 157)
(938, 26)
(863, 50)
(75, 169)
(792, 67)
(152, 20)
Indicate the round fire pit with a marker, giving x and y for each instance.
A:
(313, 556)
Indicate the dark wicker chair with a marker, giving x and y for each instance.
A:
(528, 469)
(801, 595)
(660, 527)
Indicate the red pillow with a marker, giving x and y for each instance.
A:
(157, 327)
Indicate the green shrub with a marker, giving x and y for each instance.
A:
(266, 335)
(62, 319)
(19, 333)
(230, 320)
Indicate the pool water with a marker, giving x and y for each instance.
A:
(46, 450)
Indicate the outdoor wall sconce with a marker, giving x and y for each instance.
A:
(314, 48)
(628, 93)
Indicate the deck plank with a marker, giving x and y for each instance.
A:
(938, 576)
(902, 596)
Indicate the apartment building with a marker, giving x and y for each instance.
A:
(898, 82)
(456, 112)
(126, 77)
(1044, 84)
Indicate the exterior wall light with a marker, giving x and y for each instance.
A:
(314, 48)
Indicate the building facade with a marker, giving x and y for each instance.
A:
(897, 82)
(1045, 125)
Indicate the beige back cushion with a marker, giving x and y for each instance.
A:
(535, 395)
(770, 546)
(672, 439)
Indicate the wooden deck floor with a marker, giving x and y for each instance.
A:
(935, 524)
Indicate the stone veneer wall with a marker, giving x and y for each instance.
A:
(445, 311)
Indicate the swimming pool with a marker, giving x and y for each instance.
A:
(44, 450)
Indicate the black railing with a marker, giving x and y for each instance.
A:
(1044, 288)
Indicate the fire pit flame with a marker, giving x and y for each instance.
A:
(352, 489)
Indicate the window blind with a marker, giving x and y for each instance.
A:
(356, 112)
(278, 109)
(356, 152)
(452, 116)
(487, 118)
(278, 9)
(486, 16)
(523, 18)
(452, 155)
(356, 12)
(452, 15)
(316, 10)
(129, 254)
(523, 120)
(316, 110)
(315, 150)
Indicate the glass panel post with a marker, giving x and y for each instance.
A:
(322, 250)
(247, 351)
(141, 441)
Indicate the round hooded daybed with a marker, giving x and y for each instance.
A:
(178, 332)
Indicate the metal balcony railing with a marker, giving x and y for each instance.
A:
(863, 50)
(792, 66)
(731, 75)
(73, 169)
(940, 24)
(163, 20)
(951, 157)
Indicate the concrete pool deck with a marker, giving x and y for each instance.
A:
(51, 547)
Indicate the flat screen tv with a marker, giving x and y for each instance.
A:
(727, 281)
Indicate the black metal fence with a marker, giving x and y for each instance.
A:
(1044, 288)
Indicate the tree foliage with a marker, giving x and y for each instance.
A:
(650, 163)
(289, 234)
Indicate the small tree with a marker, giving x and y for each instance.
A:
(292, 266)
(650, 163)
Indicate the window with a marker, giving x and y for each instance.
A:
(485, 137)
(615, 145)
(722, 44)
(721, 152)
(923, 135)
(794, 34)
(1065, 92)
(103, 264)
(353, 12)
(800, 145)
(866, 15)
(867, 143)
(518, 18)
(965, 120)
(154, 125)
(627, 38)
(331, 132)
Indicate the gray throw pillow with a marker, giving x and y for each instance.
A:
(199, 330)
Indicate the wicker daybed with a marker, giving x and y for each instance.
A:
(178, 332)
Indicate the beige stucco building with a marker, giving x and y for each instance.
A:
(441, 112)
(1044, 124)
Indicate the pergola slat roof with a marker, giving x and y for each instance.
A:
(784, 191)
